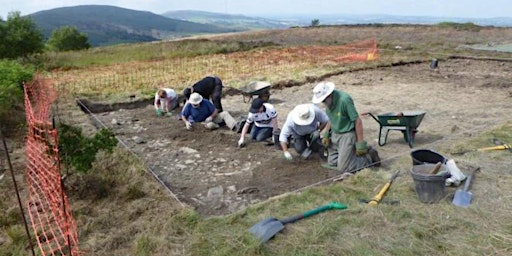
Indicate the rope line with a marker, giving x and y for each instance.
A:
(148, 168)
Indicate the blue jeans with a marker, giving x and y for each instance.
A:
(261, 133)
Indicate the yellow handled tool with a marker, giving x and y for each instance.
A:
(377, 198)
(501, 147)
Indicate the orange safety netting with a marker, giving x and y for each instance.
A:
(50, 215)
(360, 51)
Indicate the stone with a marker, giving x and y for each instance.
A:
(215, 192)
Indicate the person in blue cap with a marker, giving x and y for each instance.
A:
(263, 118)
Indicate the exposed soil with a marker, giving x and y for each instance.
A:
(206, 170)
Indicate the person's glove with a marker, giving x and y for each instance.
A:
(208, 119)
(361, 148)
(188, 125)
(326, 142)
(241, 143)
(288, 156)
(159, 112)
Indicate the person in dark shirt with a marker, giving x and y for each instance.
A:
(209, 87)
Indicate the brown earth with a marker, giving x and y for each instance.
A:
(206, 170)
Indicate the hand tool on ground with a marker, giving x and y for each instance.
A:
(501, 146)
(377, 198)
(269, 227)
(436, 168)
(463, 198)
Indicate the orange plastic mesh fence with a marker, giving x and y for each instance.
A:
(237, 68)
(50, 215)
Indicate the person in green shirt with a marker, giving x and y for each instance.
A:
(347, 149)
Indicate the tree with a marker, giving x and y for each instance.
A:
(315, 23)
(67, 39)
(19, 37)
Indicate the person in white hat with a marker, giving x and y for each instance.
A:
(210, 87)
(198, 110)
(347, 149)
(303, 124)
(166, 100)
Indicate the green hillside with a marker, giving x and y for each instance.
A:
(107, 25)
(226, 20)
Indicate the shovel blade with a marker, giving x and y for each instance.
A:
(462, 198)
(266, 229)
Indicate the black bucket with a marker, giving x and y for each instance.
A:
(276, 133)
(429, 188)
(426, 156)
(434, 63)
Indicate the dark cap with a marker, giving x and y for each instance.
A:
(256, 105)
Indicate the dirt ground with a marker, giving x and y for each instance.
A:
(205, 169)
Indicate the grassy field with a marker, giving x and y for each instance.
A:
(280, 56)
(137, 217)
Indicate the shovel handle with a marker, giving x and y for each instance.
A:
(502, 147)
(468, 180)
(312, 212)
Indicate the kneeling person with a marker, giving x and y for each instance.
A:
(303, 124)
(264, 117)
(198, 109)
(166, 100)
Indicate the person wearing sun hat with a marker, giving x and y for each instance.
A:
(347, 149)
(263, 117)
(303, 124)
(210, 87)
(200, 110)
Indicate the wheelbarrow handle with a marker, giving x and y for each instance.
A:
(314, 212)
(370, 114)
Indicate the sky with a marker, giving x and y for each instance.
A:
(436, 8)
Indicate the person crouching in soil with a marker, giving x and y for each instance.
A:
(347, 149)
(209, 87)
(166, 100)
(199, 110)
(303, 124)
(263, 117)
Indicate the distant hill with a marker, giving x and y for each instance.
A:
(352, 19)
(107, 25)
(230, 21)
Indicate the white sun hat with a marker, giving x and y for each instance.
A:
(322, 91)
(303, 114)
(195, 98)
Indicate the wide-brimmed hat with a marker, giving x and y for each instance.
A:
(195, 98)
(303, 114)
(322, 91)
(256, 105)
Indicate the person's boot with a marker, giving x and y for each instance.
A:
(374, 155)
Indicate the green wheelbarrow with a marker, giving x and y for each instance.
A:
(407, 122)
(256, 88)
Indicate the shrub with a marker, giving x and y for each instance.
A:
(12, 75)
(78, 151)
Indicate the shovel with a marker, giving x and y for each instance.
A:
(463, 197)
(269, 227)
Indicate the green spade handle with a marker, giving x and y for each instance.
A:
(331, 205)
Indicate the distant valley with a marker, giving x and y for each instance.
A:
(110, 25)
